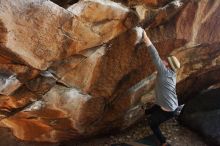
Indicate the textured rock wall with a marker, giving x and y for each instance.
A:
(80, 71)
(208, 107)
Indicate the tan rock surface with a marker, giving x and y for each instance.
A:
(96, 72)
(40, 32)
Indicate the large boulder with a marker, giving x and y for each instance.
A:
(108, 100)
(39, 32)
(202, 114)
(82, 71)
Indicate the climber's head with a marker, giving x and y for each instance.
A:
(172, 62)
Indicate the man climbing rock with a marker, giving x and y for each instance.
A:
(166, 98)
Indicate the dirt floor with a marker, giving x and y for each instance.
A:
(176, 134)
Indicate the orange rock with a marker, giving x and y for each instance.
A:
(18, 100)
(96, 70)
(40, 32)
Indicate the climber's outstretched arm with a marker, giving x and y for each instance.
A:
(154, 54)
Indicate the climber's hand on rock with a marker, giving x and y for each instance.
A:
(146, 39)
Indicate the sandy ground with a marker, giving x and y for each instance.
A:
(176, 134)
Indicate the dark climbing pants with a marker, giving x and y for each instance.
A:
(156, 117)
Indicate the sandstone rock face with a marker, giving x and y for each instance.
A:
(40, 32)
(196, 46)
(81, 71)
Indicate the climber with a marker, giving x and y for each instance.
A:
(165, 89)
